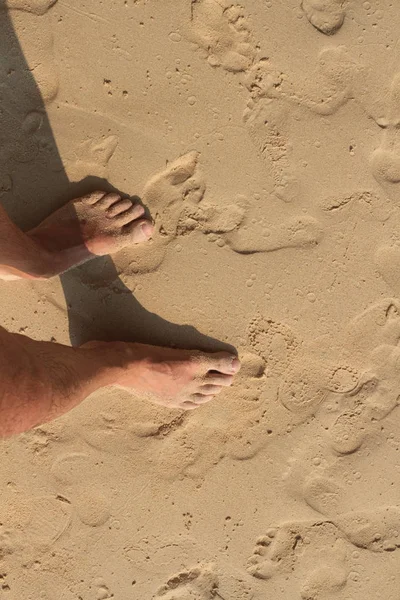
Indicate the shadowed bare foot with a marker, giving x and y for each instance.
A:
(183, 379)
(94, 225)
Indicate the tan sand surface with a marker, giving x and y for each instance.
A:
(264, 139)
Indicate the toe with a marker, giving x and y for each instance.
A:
(189, 405)
(139, 231)
(133, 213)
(93, 197)
(219, 379)
(118, 207)
(181, 169)
(223, 362)
(200, 398)
(194, 190)
(108, 200)
(210, 390)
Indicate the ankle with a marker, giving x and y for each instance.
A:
(46, 263)
(37, 264)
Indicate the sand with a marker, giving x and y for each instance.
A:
(264, 139)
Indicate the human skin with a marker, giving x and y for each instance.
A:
(42, 380)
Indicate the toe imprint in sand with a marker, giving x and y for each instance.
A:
(223, 32)
(199, 583)
(274, 342)
(91, 157)
(166, 195)
(296, 550)
(377, 325)
(296, 547)
(325, 15)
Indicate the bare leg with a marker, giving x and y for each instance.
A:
(42, 380)
(94, 225)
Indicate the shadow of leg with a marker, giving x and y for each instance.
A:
(33, 183)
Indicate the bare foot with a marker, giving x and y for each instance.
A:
(183, 379)
(94, 225)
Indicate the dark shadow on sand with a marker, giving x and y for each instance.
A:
(33, 183)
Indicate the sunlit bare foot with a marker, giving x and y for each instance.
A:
(94, 225)
(183, 379)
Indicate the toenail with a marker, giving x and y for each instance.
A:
(147, 229)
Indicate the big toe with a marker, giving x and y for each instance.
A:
(223, 362)
(140, 230)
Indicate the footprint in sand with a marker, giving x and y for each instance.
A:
(209, 218)
(296, 232)
(244, 231)
(37, 7)
(38, 54)
(91, 506)
(240, 427)
(265, 122)
(272, 99)
(305, 379)
(349, 417)
(165, 195)
(373, 400)
(179, 445)
(318, 553)
(276, 344)
(313, 552)
(387, 259)
(375, 529)
(370, 342)
(363, 203)
(174, 199)
(222, 31)
(385, 160)
(376, 395)
(357, 373)
(32, 525)
(198, 583)
(325, 15)
(91, 157)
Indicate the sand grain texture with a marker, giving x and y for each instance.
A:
(264, 139)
